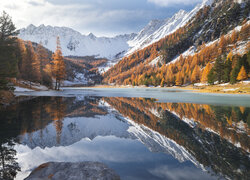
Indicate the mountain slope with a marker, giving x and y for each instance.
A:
(207, 25)
(74, 43)
(157, 29)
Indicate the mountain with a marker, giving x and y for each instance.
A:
(158, 29)
(74, 43)
(216, 29)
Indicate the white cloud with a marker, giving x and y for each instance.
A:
(173, 2)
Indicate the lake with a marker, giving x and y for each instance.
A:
(141, 133)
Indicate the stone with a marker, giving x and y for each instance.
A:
(73, 171)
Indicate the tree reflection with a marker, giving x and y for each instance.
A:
(202, 130)
(8, 165)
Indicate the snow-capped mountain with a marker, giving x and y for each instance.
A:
(74, 43)
(158, 29)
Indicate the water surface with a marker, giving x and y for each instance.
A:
(175, 136)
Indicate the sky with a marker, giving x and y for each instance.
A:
(100, 17)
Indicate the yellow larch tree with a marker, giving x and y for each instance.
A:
(242, 74)
(205, 72)
(58, 67)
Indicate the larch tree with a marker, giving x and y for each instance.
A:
(34, 64)
(222, 44)
(178, 80)
(242, 74)
(195, 74)
(58, 67)
(205, 72)
(45, 66)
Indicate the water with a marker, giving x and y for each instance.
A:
(179, 135)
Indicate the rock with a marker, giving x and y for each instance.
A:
(73, 171)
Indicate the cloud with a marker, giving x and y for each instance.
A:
(166, 3)
(101, 17)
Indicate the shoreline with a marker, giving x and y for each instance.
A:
(239, 88)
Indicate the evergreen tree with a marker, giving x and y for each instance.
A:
(58, 69)
(218, 69)
(227, 70)
(211, 76)
(8, 60)
(8, 163)
(233, 75)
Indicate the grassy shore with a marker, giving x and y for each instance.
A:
(239, 88)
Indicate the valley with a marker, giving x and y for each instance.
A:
(125, 90)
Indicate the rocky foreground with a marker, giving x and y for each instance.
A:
(73, 171)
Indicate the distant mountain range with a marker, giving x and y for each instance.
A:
(74, 43)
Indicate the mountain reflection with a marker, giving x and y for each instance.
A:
(215, 138)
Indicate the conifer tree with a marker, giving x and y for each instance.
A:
(233, 75)
(211, 77)
(205, 72)
(195, 74)
(45, 66)
(8, 60)
(227, 70)
(242, 74)
(35, 63)
(58, 68)
(178, 80)
(218, 68)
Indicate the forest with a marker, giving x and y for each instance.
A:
(24, 60)
(213, 62)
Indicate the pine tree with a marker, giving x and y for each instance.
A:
(227, 70)
(233, 75)
(211, 77)
(58, 68)
(218, 69)
(8, 60)
(242, 74)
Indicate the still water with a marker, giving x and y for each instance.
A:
(138, 137)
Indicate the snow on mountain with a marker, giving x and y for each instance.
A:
(74, 43)
(158, 29)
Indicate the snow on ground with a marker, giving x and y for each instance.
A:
(155, 61)
(224, 84)
(189, 52)
(246, 82)
(20, 89)
(233, 89)
(36, 86)
(200, 84)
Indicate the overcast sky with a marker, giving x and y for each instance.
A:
(101, 17)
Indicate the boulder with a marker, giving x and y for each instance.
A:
(72, 171)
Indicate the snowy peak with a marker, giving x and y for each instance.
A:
(74, 43)
(158, 29)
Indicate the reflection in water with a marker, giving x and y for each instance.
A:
(214, 139)
(8, 164)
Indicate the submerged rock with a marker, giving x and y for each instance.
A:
(73, 171)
